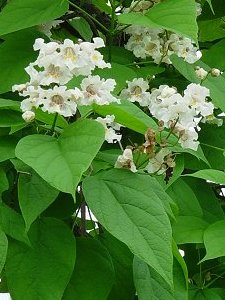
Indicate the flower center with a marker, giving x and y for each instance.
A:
(57, 99)
(54, 71)
(70, 54)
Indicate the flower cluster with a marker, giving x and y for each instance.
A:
(158, 43)
(54, 67)
(181, 114)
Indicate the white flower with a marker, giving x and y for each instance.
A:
(157, 164)
(57, 100)
(32, 92)
(110, 128)
(28, 116)
(201, 73)
(136, 91)
(55, 74)
(198, 8)
(126, 161)
(45, 48)
(188, 138)
(19, 87)
(196, 95)
(97, 90)
(215, 72)
(71, 55)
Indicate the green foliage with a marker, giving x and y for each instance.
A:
(52, 272)
(88, 209)
(34, 13)
(70, 162)
(133, 213)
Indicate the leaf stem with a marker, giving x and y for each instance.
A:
(54, 122)
(90, 16)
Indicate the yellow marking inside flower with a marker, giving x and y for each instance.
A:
(136, 91)
(54, 71)
(58, 100)
(70, 54)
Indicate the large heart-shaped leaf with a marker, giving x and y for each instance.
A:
(130, 207)
(62, 162)
(43, 270)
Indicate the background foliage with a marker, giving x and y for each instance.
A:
(55, 170)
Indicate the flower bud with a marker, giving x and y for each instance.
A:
(28, 116)
(201, 73)
(215, 72)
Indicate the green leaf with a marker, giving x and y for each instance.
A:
(12, 223)
(212, 210)
(211, 175)
(34, 194)
(148, 283)
(33, 13)
(204, 294)
(180, 288)
(43, 270)
(189, 229)
(10, 118)
(67, 158)
(3, 249)
(175, 15)
(179, 259)
(7, 147)
(127, 114)
(129, 207)
(93, 274)
(212, 139)
(122, 258)
(186, 69)
(214, 240)
(217, 51)
(211, 30)
(5, 103)
(16, 52)
(4, 184)
(185, 198)
(82, 27)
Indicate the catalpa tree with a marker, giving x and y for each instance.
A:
(112, 149)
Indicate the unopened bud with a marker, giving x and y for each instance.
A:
(28, 116)
(161, 125)
(201, 73)
(215, 72)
